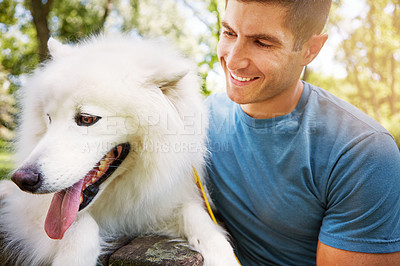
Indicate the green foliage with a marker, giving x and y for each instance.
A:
(17, 43)
(18, 55)
(70, 21)
(370, 49)
(371, 53)
(176, 20)
(5, 159)
(372, 56)
(75, 19)
(211, 58)
(7, 12)
(8, 111)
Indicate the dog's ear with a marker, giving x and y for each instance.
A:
(57, 49)
(169, 87)
(167, 83)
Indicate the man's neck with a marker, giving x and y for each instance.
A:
(279, 105)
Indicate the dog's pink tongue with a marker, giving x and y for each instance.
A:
(63, 210)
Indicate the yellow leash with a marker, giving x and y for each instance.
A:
(206, 203)
(203, 195)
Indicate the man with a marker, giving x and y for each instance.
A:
(298, 176)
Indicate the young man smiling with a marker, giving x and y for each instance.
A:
(298, 176)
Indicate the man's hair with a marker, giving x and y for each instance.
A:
(304, 18)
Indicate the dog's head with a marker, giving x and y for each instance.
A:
(97, 110)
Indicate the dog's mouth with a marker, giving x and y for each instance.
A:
(101, 172)
(66, 203)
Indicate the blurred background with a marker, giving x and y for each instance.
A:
(360, 63)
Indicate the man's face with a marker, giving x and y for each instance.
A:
(256, 53)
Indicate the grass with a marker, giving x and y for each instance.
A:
(5, 159)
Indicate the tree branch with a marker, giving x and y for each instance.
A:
(198, 15)
(107, 10)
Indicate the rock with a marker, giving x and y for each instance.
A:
(156, 250)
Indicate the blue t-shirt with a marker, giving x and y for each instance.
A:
(326, 172)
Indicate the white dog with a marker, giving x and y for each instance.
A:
(110, 132)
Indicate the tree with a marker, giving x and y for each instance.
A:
(73, 20)
(18, 55)
(40, 11)
(371, 53)
(372, 56)
(7, 109)
(25, 26)
(209, 40)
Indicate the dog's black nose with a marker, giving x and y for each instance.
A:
(27, 179)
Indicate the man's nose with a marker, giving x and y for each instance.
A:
(238, 57)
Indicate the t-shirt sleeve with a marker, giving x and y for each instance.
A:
(363, 198)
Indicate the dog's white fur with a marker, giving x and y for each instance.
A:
(148, 96)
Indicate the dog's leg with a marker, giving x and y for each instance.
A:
(206, 237)
(81, 244)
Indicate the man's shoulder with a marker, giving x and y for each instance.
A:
(335, 112)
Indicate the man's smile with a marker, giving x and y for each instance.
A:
(238, 80)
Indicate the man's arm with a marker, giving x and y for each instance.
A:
(327, 255)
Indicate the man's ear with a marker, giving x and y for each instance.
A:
(312, 47)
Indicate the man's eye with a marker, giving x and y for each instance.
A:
(260, 43)
(228, 33)
(86, 119)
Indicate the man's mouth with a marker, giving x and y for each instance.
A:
(66, 203)
(242, 79)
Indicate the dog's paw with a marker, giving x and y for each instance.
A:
(182, 243)
(220, 257)
(215, 250)
(220, 260)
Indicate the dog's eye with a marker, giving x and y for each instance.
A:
(49, 118)
(86, 119)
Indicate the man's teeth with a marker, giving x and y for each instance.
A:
(240, 78)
